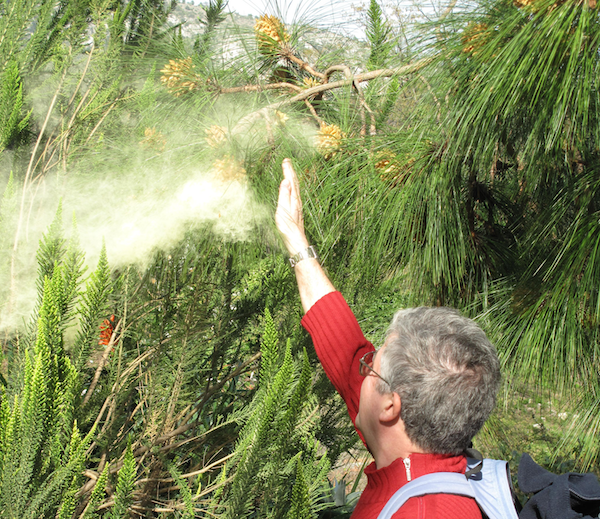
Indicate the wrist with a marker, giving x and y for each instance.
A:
(304, 254)
(297, 245)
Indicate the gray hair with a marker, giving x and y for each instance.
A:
(447, 374)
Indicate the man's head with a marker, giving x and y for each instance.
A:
(446, 373)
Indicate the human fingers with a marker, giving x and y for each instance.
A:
(288, 169)
(290, 174)
(285, 195)
(287, 219)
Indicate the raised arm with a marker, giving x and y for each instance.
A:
(313, 283)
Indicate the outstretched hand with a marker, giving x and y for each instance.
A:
(288, 216)
(313, 282)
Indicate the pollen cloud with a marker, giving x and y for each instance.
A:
(135, 215)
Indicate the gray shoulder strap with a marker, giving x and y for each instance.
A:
(493, 489)
(490, 487)
(436, 483)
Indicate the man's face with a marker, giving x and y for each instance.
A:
(371, 400)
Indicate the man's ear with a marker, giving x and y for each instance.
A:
(391, 408)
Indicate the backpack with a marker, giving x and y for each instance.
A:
(486, 480)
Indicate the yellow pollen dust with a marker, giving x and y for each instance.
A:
(215, 135)
(229, 170)
(474, 37)
(281, 117)
(179, 76)
(153, 139)
(270, 33)
(329, 139)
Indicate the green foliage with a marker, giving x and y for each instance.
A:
(41, 449)
(93, 307)
(379, 35)
(51, 251)
(140, 23)
(186, 493)
(13, 26)
(470, 182)
(277, 444)
(77, 458)
(300, 503)
(214, 13)
(56, 23)
(97, 494)
(269, 349)
(13, 123)
(125, 486)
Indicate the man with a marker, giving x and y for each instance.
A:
(418, 400)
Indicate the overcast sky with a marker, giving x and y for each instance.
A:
(316, 12)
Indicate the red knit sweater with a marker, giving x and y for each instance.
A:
(340, 343)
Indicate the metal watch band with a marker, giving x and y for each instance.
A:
(307, 253)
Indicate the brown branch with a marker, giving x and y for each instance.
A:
(101, 120)
(165, 437)
(29, 171)
(313, 111)
(337, 68)
(367, 76)
(210, 391)
(189, 474)
(83, 74)
(259, 88)
(448, 10)
(116, 387)
(289, 55)
(362, 104)
(373, 129)
(306, 94)
(116, 466)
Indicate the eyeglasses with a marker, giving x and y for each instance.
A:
(366, 366)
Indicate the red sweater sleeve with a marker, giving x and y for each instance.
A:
(340, 344)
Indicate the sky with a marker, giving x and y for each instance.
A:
(316, 12)
(328, 7)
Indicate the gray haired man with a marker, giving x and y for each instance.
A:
(418, 400)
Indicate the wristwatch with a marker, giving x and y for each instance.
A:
(307, 253)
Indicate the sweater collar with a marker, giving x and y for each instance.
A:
(388, 479)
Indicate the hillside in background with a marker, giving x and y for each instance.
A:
(237, 31)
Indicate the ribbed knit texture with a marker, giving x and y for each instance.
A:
(340, 343)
